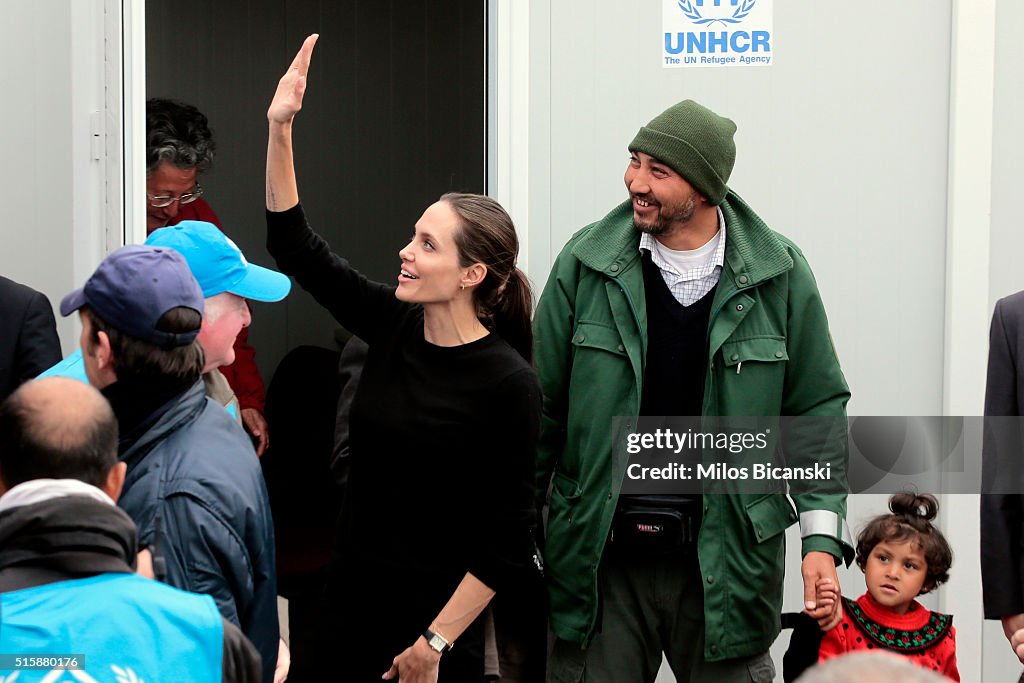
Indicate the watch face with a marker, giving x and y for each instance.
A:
(437, 643)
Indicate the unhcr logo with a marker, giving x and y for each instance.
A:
(719, 33)
(740, 10)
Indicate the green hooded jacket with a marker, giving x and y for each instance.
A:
(770, 355)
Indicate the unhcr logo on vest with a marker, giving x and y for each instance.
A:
(716, 33)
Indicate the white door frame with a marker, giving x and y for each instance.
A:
(508, 112)
(131, 132)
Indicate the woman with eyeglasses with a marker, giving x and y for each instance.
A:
(439, 514)
(179, 147)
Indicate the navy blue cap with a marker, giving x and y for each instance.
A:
(134, 287)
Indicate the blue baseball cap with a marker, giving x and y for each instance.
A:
(134, 287)
(218, 265)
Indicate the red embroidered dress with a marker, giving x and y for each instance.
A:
(927, 638)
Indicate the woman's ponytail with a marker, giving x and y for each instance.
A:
(513, 313)
(504, 300)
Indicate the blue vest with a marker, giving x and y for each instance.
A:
(74, 367)
(128, 628)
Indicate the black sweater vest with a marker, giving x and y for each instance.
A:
(673, 379)
(676, 348)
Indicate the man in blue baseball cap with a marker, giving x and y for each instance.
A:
(227, 279)
(193, 486)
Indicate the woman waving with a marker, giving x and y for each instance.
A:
(439, 514)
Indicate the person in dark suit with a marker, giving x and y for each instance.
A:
(28, 335)
(1002, 502)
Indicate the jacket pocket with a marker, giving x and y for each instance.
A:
(750, 375)
(567, 546)
(600, 336)
(770, 515)
(568, 489)
(761, 349)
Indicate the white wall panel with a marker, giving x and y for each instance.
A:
(52, 234)
(1006, 275)
(841, 146)
(36, 120)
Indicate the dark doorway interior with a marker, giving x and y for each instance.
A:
(394, 116)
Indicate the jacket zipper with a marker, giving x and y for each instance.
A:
(629, 298)
(632, 309)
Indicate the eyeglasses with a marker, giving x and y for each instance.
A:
(187, 198)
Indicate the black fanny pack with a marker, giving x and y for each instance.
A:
(656, 525)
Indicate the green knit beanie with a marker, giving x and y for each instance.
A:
(696, 143)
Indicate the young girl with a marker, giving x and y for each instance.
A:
(902, 556)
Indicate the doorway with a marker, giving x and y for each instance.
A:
(394, 116)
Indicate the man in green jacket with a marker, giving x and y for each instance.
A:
(681, 302)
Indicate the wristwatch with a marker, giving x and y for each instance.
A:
(437, 642)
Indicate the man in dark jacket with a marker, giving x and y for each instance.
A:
(1002, 509)
(28, 336)
(194, 486)
(67, 553)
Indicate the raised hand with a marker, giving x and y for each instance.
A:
(282, 188)
(290, 89)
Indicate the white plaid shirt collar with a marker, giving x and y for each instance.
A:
(669, 271)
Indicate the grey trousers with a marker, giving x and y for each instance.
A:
(651, 606)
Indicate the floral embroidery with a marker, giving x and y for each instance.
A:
(898, 640)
